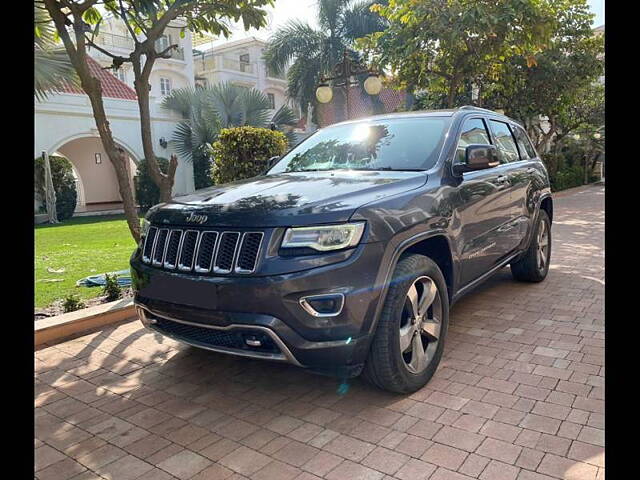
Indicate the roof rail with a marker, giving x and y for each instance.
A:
(473, 107)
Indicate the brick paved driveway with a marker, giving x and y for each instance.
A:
(519, 394)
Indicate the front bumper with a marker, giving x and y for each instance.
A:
(230, 308)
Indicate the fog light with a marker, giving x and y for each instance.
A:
(328, 305)
(252, 341)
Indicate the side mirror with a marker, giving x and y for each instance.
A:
(272, 161)
(477, 157)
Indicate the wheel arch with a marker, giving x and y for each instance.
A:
(427, 243)
(546, 204)
(438, 249)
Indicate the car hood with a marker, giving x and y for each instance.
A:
(286, 199)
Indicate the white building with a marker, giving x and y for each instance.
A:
(64, 123)
(240, 62)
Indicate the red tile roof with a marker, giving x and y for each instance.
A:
(112, 87)
(360, 105)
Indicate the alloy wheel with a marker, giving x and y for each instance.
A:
(420, 324)
(543, 246)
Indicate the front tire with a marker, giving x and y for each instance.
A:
(533, 266)
(409, 339)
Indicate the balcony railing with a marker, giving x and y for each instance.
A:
(236, 65)
(115, 41)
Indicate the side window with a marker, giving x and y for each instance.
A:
(526, 149)
(474, 131)
(505, 142)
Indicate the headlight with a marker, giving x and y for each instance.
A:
(324, 238)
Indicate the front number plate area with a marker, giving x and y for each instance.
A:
(181, 291)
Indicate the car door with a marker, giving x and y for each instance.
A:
(527, 178)
(518, 172)
(484, 207)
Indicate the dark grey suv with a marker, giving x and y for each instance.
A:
(346, 255)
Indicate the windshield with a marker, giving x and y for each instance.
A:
(391, 144)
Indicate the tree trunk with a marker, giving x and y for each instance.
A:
(162, 180)
(91, 85)
(453, 90)
(49, 190)
(116, 155)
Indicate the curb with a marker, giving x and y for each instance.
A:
(58, 328)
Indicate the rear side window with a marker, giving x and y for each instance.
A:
(505, 142)
(474, 131)
(526, 149)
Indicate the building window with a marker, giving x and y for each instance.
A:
(163, 43)
(272, 101)
(245, 65)
(165, 86)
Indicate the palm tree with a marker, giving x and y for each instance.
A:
(52, 67)
(209, 109)
(312, 52)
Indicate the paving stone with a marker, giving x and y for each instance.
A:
(519, 394)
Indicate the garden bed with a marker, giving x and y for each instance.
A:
(56, 307)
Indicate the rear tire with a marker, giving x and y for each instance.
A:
(415, 315)
(533, 266)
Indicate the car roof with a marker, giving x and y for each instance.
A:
(449, 112)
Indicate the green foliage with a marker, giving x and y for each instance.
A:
(566, 163)
(112, 289)
(209, 109)
(147, 192)
(312, 52)
(72, 303)
(243, 152)
(438, 46)
(52, 68)
(561, 85)
(64, 184)
(201, 170)
(199, 15)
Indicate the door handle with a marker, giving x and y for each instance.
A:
(502, 179)
(531, 170)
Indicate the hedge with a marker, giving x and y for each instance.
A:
(243, 152)
(147, 192)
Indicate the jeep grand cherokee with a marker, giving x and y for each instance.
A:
(346, 255)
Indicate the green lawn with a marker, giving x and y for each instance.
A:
(82, 246)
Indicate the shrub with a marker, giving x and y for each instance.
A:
(567, 177)
(243, 152)
(112, 288)
(201, 170)
(72, 303)
(64, 184)
(147, 192)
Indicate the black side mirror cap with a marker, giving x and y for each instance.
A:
(270, 163)
(477, 157)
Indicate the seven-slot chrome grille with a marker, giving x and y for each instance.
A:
(202, 251)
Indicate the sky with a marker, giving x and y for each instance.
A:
(286, 10)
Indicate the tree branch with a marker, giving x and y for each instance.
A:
(123, 15)
(164, 53)
(106, 52)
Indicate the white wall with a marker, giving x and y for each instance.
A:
(66, 117)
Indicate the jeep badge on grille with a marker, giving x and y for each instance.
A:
(194, 218)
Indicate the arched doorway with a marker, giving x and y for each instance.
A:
(96, 179)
